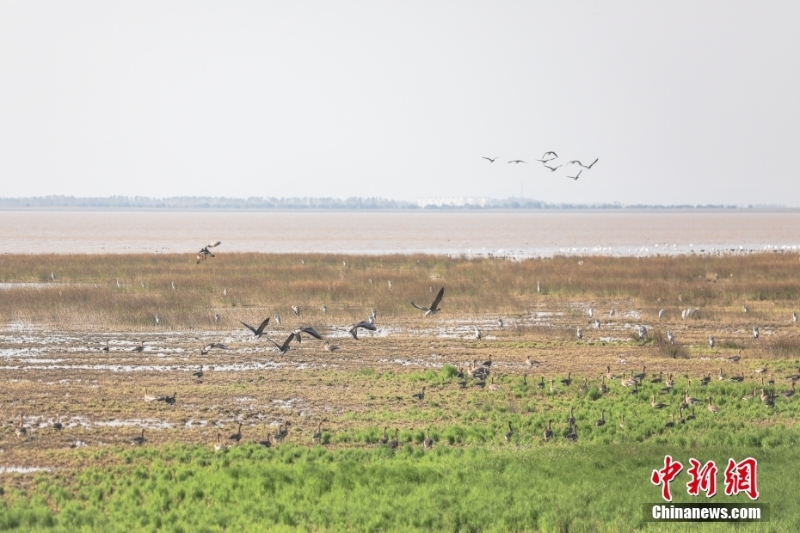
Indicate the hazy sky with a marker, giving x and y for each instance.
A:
(683, 102)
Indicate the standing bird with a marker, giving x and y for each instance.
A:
(548, 431)
(21, 430)
(257, 331)
(385, 438)
(490, 160)
(106, 348)
(238, 435)
(434, 308)
(670, 337)
(278, 319)
(216, 317)
(205, 253)
(572, 436)
(509, 433)
(420, 395)
(755, 333)
(139, 348)
(395, 442)
(794, 316)
(324, 308)
(579, 333)
(296, 309)
(660, 314)
(478, 334)
(602, 420)
(500, 322)
(138, 441)
(174, 287)
(712, 408)
(711, 342)
(317, 437)
(642, 333)
(428, 442)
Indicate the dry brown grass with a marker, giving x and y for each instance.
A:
(85, 293)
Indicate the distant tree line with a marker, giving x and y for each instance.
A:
(353, 203)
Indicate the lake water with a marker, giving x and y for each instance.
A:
(517, 234)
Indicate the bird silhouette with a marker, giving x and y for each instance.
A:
(584, 166)
(434, 306)
(257, 331)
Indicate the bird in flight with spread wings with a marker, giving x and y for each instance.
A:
(205, 253)
(434, 306)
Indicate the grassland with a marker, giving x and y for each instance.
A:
(472, 479)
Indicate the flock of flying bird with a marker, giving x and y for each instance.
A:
(479, 372)
(547, 161)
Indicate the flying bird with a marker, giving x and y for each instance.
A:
(308, 330)
(546, 159)
(283, 348)
(576, 177)
(517, 161)
(584, 166)
(552, 169)
(364, 324)
(490, 160)
(257, 331)
(434, 306)
(205, 253)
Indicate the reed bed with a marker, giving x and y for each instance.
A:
(83, 290)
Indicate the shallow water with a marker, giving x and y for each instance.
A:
(511, 234)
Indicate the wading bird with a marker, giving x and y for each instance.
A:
(434, 308)
(257, 331)
(205, 253)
